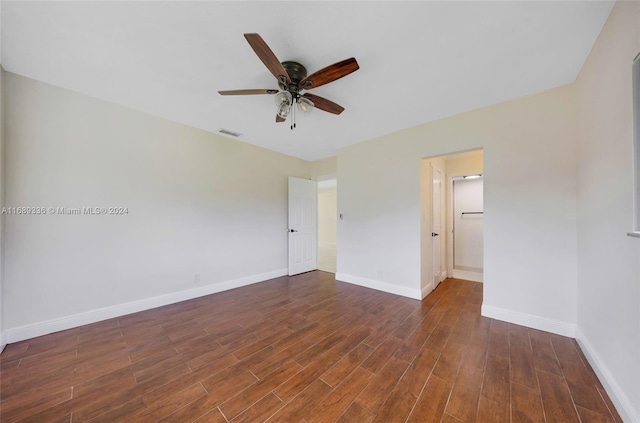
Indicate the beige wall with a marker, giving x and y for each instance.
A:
(324, 169)
(464, 164)
(205, 212)
(608, 260)
(327, 211)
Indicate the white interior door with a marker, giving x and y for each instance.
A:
(436, 225)
(303, 244)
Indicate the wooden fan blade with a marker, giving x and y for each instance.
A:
(330, 73)
(247, 92)
(324, 104)
(279, 119)
(266, 55)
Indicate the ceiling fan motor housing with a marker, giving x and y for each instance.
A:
(297, 73)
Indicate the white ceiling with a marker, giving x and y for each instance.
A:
(419, 61)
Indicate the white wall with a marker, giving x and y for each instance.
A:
(199, 204)
(530, 210)
(608, 260)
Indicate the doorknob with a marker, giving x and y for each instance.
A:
(293, 230)
(434, 234)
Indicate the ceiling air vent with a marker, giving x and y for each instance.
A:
(231, 133)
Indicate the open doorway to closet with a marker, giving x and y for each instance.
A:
(451, 227)
(327, 225)
(467, 227)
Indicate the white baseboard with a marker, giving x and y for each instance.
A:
(426, 291)
(67, 322)
(3, 342)
(535, 322)
(380, 286)
(617, 395)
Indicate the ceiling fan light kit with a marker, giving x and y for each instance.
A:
(283, 101)
(305, 105)
(293, 80)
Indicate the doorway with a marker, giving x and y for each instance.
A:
(468, 227)
(327, 225)
(439, 219)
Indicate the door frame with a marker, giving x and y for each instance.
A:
(438, 276)
(450, 225)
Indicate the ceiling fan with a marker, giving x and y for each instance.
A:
(293, 81)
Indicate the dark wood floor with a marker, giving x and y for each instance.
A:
(304, 349)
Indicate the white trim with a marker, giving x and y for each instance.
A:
(67, 322)
(2, 341)
(535, 322)
(443, 276)
(449, 228)
(617, 395)
(426, 291)
(403, 291)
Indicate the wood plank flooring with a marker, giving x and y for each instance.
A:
(304, 349)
